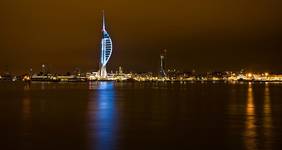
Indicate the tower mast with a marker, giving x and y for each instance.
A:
(104, 26)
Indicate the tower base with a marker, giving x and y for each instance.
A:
(162, 73)
(103, 72)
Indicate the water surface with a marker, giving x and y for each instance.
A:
(118, 116)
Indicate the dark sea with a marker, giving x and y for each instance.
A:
(140, 116)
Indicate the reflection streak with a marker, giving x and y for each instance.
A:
(250, 133)
(26, 111)
(103, 116)
(267, 117)
(26, 119)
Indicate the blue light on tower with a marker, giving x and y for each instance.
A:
(106, 50)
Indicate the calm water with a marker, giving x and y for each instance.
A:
(140, 116)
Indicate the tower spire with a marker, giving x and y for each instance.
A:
(104, 26)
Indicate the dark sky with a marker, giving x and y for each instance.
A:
(198, 34)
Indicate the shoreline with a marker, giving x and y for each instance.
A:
(146, 81)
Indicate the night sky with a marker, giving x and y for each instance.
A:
(203, 35)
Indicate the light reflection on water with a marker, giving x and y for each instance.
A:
(103, 115)
(250, 134)
(267, 118)
(253, 127)
(26, 115)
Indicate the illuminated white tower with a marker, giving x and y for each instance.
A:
(162, 64)
(106, 50)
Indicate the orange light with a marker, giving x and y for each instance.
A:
(250, 75)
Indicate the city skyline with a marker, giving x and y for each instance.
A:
(200, 36)
(140, 74)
